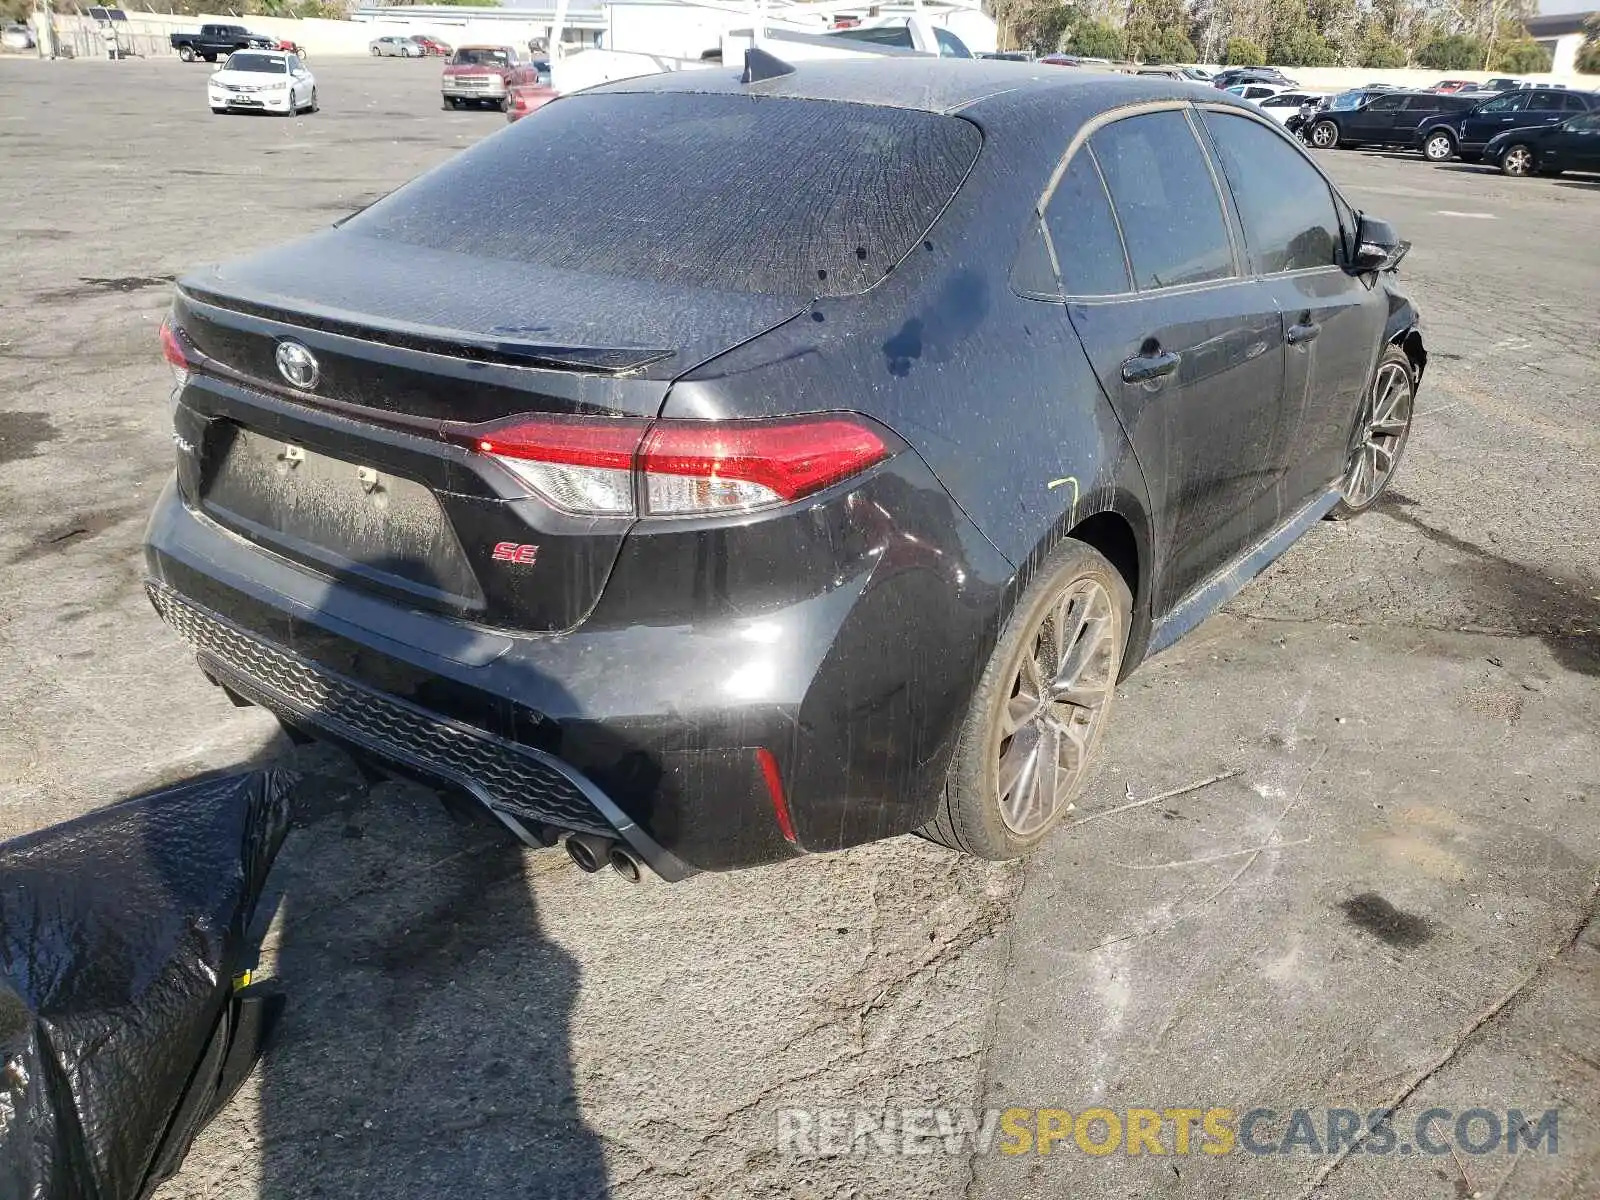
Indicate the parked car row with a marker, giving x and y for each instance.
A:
(1526, 130)
(414, 45)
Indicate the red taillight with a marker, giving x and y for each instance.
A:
(590, 465)
(703, 466)
(172, 350)
(780, 805)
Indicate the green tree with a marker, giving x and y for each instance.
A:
(1380, 53)
(1455, 52)
(1520, 56)
(1302, 47)
(1242, 52)
(1038, 25)
(1589, 55)
(1094, 39)
(1152, 43)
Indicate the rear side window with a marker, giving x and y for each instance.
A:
(950, 46)
(883, 35)
(1571, 103)
(1507, 104)
(1165, 200)
(1285, 206)
(1387, 104)
(741, 193)
(1084, 234)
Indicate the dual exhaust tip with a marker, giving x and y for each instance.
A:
(590, 853)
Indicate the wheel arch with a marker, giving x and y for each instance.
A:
(1113, 521)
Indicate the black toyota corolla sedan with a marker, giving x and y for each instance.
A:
(711, 469)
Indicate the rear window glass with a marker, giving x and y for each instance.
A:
(777, 196)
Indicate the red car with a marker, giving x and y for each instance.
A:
(1453, 85)
(432, 47)
(527, 97)
(484, 75)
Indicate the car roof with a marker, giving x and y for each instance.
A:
(935, 85)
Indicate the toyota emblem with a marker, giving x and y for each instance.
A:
(298, 365)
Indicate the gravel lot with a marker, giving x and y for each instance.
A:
(1391, 900)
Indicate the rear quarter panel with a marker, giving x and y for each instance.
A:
(992, 390)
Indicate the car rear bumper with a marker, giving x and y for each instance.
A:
(657, 734)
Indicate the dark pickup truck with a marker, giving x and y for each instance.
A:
(214, 40)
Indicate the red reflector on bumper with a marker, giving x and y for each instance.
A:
(780, 806)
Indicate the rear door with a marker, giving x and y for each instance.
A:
(1191, 353)
(1332, 321)
(1580, 144)
(1375, 122)
(1416, 110)
(1550, 106)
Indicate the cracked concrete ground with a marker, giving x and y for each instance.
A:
(1390, 895)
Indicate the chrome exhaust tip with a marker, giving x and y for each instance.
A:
(588, 852)
(625, 863)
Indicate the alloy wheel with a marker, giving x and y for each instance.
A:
(1385, 421)
(1517, 161)
(1438, 148)
(1057, 698)
(1325, 135)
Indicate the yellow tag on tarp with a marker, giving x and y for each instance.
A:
(242, 980)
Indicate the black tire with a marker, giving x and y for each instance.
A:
(312, 107)
(210, 56)
(969, 817)
(1438, 146)
(451, 103)
(1393, 357)
(376, 53)
(1519, 160)
(186, 53)
(220, 112)
(1325, 135)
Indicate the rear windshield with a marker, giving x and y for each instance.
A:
(257, 62)
(480, 58)
(776, 196)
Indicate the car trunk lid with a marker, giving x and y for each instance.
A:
(364, 472)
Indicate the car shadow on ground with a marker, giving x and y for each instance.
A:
(425, 1047)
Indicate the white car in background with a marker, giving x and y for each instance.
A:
(1256, 91)
(1286, 103)
(395, 47)
(262, 81)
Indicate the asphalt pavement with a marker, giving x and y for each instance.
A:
(1382, 894)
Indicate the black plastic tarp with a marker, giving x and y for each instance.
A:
(123, 1022)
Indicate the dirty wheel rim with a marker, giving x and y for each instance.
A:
(1055, 705)
(1323, 136)
(1385, 420)
(1519, 160)
(1438, 148)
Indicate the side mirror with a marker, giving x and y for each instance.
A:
(1378, 247)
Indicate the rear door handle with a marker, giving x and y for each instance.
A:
(1300, 334)
(1142, 368)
